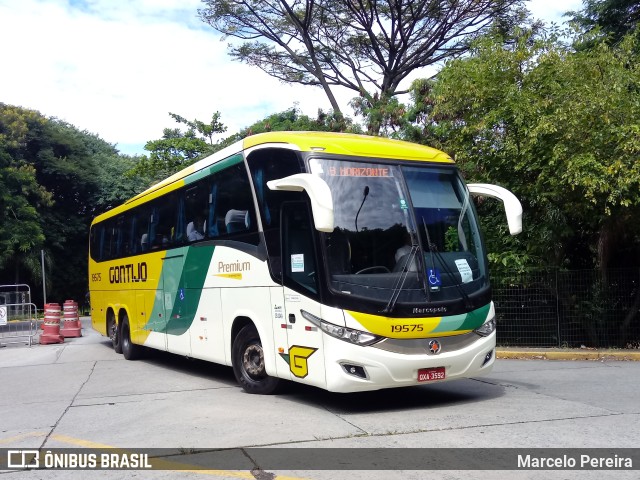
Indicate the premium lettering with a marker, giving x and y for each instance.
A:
(237, 266)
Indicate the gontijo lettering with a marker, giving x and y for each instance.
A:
(128, 273)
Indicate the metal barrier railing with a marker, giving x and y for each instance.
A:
(17, 293)
(18, 316)
(18, 323)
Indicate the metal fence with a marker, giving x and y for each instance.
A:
(578, 308)
(18, 316)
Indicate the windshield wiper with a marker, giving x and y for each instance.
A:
(397, 288)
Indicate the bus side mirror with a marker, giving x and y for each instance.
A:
(512, 206)
(319, 193)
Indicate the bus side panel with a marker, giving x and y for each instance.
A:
(207, 330)
(129, 298)
(138, 318)
(256, 305)
(149, 323)
(98, 312)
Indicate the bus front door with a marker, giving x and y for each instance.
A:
(304, 354)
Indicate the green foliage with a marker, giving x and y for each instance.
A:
(611, 19)
(383, 116)
(21, 196)
(119, 179)
(293, 120)
(557, 127)
(206, 130)
(177, 149)
(54, 179)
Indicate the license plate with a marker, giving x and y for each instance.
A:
(430, 374)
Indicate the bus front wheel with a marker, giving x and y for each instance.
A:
(248, 363)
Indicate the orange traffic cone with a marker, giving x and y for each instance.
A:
(51, 326)
(72, 326)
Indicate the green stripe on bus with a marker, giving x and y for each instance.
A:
(183, 275)
(194, 273)
(475, 318)
(216, 167)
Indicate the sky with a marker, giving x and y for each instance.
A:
(116, 68)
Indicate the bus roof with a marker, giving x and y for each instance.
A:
(326, 142)
(351, 144)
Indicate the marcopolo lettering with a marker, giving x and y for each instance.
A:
(128, 273)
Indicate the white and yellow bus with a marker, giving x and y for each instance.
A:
(347, 262)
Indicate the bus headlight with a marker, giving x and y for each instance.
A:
(487, 327)
(350, 335)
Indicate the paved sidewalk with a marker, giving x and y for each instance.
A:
(567, 354)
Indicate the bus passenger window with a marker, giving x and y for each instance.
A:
(197, 200)
(162, 230)
(231, 208)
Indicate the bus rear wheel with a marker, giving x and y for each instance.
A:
(114, 333)
(130, 350)
(248, 363)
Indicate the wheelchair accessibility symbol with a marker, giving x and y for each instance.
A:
(433, 276)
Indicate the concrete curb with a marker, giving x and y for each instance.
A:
(568, 354)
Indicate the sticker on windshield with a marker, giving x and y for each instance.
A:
(465, 270)
(297, 262)
(403, 204)
(433, 277)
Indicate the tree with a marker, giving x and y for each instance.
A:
(54, 179)
(613, 18)
(177, 149)
(21, 197)
(117, 181)
(558, 127)
(293, 120)
(369, 47)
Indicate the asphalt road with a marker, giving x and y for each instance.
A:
(81, 394)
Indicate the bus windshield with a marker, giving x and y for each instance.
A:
(404, 234)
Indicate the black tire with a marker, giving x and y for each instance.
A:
(130, 350)
(113, 330)
(248, 363)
